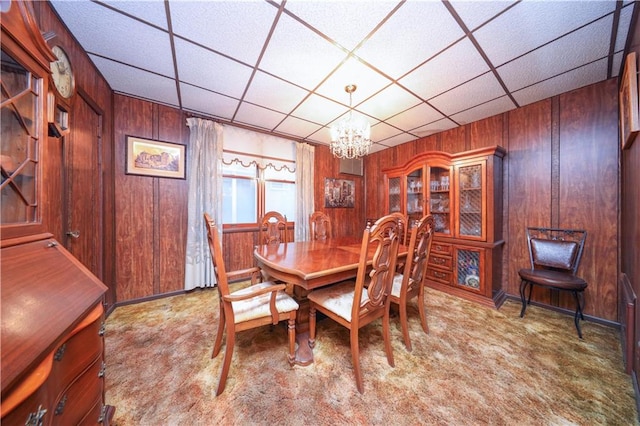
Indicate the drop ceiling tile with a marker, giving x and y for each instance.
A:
(580, 77)
(235, 28)
(531, 24)
(353, 72)
(388, 102)
(201, 67)
(257, 116)
(474, 92)
(152, 12)
(476, 13)
(397, 140)
(617, 64)
(460, 63)
(415, 117)
(435, 127)
(135, 82)
(381, 131)
(416, 31)
(583, 46)
(487, 109)
(330, 20)
(318, 109)
(299, 55)
(206, 102)
(299, 128)
(623, 27)
(274, 93)
(115, 36)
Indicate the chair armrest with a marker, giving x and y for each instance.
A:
(255, 272)
(256, 290)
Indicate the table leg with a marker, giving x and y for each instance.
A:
(304, 354)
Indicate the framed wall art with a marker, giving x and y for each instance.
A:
(339, 193)
(628, 99)
(147, 157)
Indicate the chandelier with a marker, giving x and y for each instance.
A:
(350, 137)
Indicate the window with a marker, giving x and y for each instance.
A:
(251, 189)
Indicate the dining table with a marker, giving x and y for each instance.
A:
(308, 265)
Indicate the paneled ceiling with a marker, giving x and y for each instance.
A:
(421, 66)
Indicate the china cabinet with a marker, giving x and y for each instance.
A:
(463, 192)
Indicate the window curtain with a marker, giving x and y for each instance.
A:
(204, 175)
(305, 155)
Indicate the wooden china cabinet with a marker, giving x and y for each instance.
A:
(52, 316)
(463, 192)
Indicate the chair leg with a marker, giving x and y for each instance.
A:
(386, 334)
(291, 326)
(226, 363)
(523, 290)
(218, 342)
(578, 315)
(422, 310)
(404, 324)
(355, 357)
(312, 326)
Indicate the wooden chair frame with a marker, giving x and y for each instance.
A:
(319, 226)
(273, 228)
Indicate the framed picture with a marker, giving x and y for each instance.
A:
(339, 193)
(147, 157)
(629, 125)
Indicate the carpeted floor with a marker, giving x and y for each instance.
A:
(477, 366)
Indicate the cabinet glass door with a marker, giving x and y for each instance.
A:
(440, 198)
(467, 268)
(395, 198)
(415, 198)
(470, 205)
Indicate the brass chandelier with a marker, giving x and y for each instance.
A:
(351, 136)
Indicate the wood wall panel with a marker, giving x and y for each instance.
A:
(453, 140)
(487, 132)
(589, 189)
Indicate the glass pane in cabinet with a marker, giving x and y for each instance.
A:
(414, 196)
(439, 199)
(471, 200)
(468, 262)
(394, 195)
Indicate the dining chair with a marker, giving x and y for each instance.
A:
(319, 226)
(403, 225)
(273, 228)
(410, 283)
(555, 256)
(356, 305)
(259, 304)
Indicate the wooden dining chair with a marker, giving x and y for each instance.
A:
(410, 283)
(403, 225)
(319, 226)
(356, 305)
(273, 228)
(260, 304)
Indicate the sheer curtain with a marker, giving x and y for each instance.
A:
(305, 155)
(204, 175)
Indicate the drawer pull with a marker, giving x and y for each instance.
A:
(439, 274)
(60, 352)
(35, 419)
(60, 406)
(438, 260)
(102, 329)
(103, 368)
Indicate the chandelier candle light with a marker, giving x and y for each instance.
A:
(350, 137)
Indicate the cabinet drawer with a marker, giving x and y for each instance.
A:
(79, 351)
(441, 248)
(441, 262)
(73, 405)
(439, 275)
(33, 408)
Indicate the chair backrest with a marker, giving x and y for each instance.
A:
(419, 251)
(555, 248)
(215, 248)
(403, 226)
(383, 235)
(273, 228)
(319, 226)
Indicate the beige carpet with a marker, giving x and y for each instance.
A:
(477, 366)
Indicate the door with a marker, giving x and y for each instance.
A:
(83, 204)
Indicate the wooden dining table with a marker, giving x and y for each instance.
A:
(308, 265)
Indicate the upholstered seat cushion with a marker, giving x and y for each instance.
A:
(556, 279)
(258, 307)
(397, 284)
(338, 298)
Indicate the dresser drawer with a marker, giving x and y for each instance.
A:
(444, 262)
(441, 248)
(79, 351)
(72, 406)
(439, 275)
(32, 408)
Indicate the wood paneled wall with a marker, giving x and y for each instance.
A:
(560, 170)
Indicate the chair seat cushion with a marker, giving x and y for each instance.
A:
(338, 298)
(555, 279)
(258, 307)
(397, 284)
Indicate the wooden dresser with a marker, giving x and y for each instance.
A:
(52, 367)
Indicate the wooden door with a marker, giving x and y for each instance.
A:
(83, 203)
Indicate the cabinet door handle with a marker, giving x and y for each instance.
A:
(36, 419)
(73, 234)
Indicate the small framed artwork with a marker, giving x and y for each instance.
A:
(339, 193)
(628, 99)
(147, 157)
